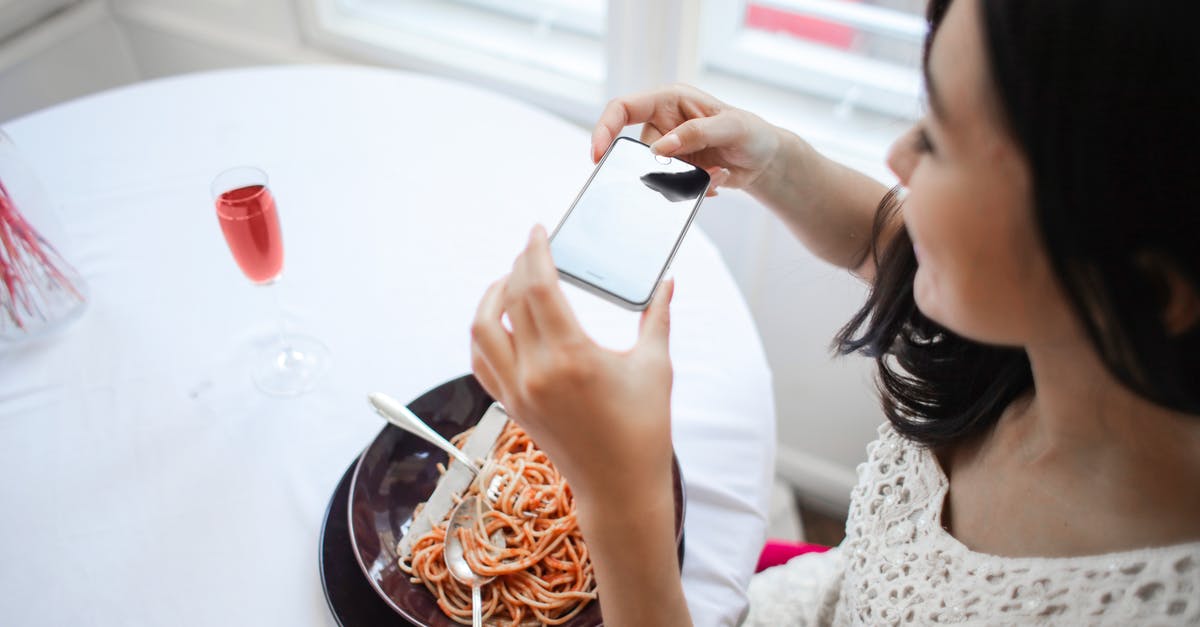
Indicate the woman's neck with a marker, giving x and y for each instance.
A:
(1079, 408)
(1093, 443)
(1080, 466)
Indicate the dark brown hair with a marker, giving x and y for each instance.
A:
(1101, 98)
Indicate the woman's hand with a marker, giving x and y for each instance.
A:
(828, 206)
(603, 417)
(733, 145)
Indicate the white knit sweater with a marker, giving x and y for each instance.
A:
(899, 566)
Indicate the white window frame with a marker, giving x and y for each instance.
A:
(851, 115)
(566, 14)
(806, 67)
(430, 41)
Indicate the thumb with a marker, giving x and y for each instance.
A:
(697, 134)
(655, 326)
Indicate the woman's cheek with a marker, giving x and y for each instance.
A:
(925, 280)
(925, 291)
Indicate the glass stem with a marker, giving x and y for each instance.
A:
(282, 330)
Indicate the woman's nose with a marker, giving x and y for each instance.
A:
(902, 156)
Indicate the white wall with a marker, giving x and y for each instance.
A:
(176, 36)
(827, 407)
(67, 55)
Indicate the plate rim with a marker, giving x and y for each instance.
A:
(347, 477)
(349, 513)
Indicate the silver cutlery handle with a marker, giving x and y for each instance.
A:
(476, 606)
(397, 414)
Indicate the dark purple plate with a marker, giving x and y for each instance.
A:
(352, 600)
(397, 472)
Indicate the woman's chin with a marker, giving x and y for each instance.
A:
(930, 300)
(925, 293)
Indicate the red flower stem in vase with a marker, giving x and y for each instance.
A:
(30, 267)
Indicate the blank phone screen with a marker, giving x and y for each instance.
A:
(628, 220)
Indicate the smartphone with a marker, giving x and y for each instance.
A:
(620, 234)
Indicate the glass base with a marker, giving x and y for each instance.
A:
(55, 310)
(291, 369)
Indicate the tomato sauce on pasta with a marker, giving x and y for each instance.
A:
(543, 574)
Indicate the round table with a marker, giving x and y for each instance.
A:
(145, 479)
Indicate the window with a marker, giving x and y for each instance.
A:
(585, 17)
(550, 52)
(843, 71)
(560, 36)
(859, 53)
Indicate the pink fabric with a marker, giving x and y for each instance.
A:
(777, 552)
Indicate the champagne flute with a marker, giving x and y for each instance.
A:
(291, 364)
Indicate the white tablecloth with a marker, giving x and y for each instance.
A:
(143, 479)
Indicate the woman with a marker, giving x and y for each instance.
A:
(1035, 317)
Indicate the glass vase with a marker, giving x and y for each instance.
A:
(40, 292)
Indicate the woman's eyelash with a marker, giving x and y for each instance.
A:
(921, 141)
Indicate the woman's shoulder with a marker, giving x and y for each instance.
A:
(898, 477)
(897, 547)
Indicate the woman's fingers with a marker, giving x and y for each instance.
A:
(675, 101)
(516, 303)
(619, 113)
(650, 133)
(717, 177)
(679, 102)
(485, 375)
(697, 134)
(536, 307)
(491, 344)
(535, 283)
(654, 327)
(524, 327)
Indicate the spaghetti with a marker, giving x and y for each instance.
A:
(543, 574)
